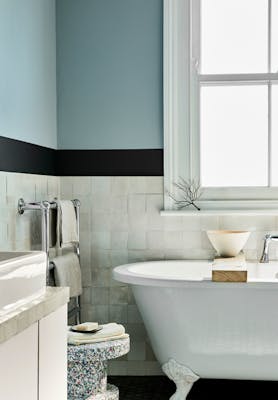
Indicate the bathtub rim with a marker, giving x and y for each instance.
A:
(121, 273)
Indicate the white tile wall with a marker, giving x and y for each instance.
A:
(121, 223)
(23, 232)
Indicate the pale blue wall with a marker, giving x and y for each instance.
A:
(28, 71)
(109, 74)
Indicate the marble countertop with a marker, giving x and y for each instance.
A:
(24, 316)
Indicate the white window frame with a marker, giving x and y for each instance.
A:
(181, 112)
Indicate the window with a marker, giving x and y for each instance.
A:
(221, 97)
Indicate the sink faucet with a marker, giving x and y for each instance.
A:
(268, 238)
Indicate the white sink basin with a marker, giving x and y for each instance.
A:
(22, 278)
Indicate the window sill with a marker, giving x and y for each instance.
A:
(227, 207)
(190, 213)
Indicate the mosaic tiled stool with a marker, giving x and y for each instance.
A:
(87, 369)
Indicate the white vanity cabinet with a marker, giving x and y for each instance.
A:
(53, 356)
(33, 363)
(19, 366)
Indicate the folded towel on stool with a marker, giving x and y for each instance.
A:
(66, 223)
(109, 332)
(67, 272)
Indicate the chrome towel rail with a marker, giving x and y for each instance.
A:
(45, 207)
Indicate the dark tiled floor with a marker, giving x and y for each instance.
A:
(161, 388)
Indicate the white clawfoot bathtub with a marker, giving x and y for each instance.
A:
(199, 328)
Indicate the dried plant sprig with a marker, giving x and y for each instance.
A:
(190, 191)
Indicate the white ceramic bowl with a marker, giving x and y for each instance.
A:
(228, 243)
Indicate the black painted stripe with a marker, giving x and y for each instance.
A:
(110, 162)
(19, 156)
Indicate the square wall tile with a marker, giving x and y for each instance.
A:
(101, 184)
(120, 185)
(99, 295)
(136, 240)
(136, 203)
(82, 185)
(137, 184)
(118, 295)
(154, 184)
(155, 240)
(119, 240)
(118, 313)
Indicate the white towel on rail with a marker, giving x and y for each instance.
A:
(111, 331)
(67, 272)
(66, 223)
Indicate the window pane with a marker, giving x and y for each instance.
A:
(234, 36)
(274, 143)
(234, 136)
(274, 36)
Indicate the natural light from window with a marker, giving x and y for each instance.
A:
(238, 99)
(234, 141)
(234, 36)
(274, 36)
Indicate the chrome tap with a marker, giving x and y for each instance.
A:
(268, 238)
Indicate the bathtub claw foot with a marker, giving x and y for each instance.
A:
(182, 376)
